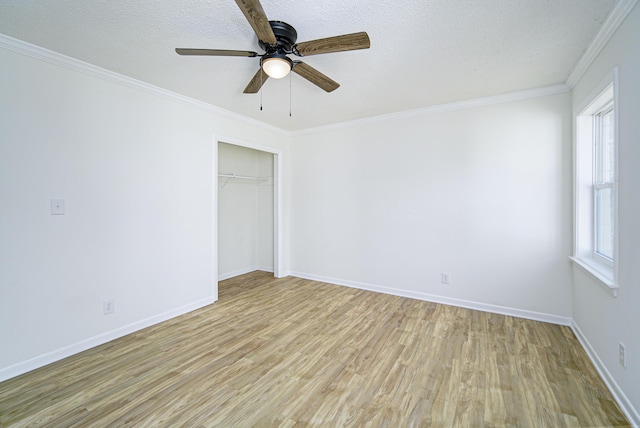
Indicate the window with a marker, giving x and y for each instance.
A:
(595, 187)
(603, 186)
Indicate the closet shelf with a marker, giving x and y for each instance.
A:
(243, 177)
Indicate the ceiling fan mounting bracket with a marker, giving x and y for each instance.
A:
(286, 37)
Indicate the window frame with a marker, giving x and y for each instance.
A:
(599, 181)
(588, 182)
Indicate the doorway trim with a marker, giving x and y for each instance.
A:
(278, 229)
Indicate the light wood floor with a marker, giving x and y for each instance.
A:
(294, 352)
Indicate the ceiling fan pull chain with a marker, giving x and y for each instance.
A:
(290, 94)
(261, 83)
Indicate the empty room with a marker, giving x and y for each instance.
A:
(277, 213)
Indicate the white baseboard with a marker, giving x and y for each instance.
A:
(67, 351)
(485, 307)
(623, 401)
(223, 276)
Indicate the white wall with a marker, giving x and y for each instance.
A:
(482, 193)
(602, 319)
(136, 168)
(245, 211)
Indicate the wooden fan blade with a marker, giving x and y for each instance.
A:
(346, 42)
(315, 77)
(214, 52)
(256, 83)
(254, 13)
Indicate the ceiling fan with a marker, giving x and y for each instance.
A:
(278, 39)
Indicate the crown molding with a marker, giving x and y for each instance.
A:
(613, 21)
(58, 59)
(441, 108)
(609, 27)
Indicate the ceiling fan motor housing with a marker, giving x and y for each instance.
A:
(286, 37)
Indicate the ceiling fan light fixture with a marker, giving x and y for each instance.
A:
(277, 66)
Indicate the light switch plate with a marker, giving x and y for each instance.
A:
(57, 206)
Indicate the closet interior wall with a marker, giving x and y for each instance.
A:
(245, 210)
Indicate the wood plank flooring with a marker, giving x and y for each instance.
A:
(292, 352)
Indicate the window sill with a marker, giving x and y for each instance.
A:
(602, 274)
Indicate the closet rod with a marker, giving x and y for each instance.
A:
(244, 177)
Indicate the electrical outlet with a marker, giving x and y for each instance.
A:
(623, 355)
(108, 307)
(444, 278)
(57, 206)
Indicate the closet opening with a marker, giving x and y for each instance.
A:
(248, 209)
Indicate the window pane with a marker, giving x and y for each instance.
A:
(604, 222)
(607, 149)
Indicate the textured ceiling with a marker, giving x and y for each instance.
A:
(423, 53)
